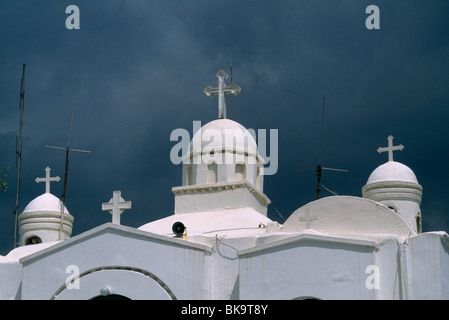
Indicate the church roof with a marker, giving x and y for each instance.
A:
(108, 229)
(20, 252)
(347, 215)
(239, 221)
(308, 236)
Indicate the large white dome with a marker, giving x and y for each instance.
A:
(392, 171)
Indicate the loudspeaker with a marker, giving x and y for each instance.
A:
(178, 228)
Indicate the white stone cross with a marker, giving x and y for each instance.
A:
(221, 90)
(116, 206)
(307, 218)
(47, 179)
(390, 148)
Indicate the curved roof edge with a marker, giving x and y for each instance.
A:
(347, 215)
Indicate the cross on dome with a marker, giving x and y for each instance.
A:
(308, 219)
(390, 148)
(47, 179)
(221, 90)
(116, 206)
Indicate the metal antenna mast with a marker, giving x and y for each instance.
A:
(319, 168)
(66, 171)
(322, 128)
(232, 96)
(19, 154)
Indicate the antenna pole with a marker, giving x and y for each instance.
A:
(66, 170)
(321, 137)
(318, 168)
(73, 112)
(232, 96)
(318, 174)
(19, 155)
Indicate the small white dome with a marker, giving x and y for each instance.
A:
(392, 171)
(41, 222)
(46, 203)
(223, 135)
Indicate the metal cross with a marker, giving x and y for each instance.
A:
(47, 179)
(307, 218)
(221, 90)
(390, 148)
(116, 206)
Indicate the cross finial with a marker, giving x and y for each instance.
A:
(221, 90)
(47, 179)
(307, 218)
(390, 148)
(116, 206)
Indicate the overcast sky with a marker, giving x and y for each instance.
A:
(141, 68)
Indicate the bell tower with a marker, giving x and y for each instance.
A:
(222, 168)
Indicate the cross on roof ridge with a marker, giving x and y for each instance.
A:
(47, 179)
(116, 206)
(221, 90)
(390, 148)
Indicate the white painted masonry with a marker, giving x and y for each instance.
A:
(339, 247)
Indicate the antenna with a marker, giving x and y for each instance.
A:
(66, 171)
(232, 96)
(19, 154)
(322, 127)
(319, 168)
(73, 113)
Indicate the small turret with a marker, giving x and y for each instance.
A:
(44, 219)
(396, 186)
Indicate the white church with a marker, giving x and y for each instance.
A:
(219, 243)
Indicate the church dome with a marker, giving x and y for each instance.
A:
(395, 185)
(45, 203)
(221, 167)
(223, 135)
(40, 221)
(392, 171)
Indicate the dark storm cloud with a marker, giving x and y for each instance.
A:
(141, 68)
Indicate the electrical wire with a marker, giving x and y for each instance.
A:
(277, 211)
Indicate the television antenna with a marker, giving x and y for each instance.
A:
(319, 169)
(66, 171)
(232, 96)
(19, 154)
